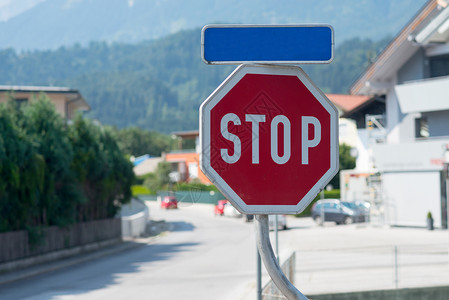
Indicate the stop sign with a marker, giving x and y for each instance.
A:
(269, 139)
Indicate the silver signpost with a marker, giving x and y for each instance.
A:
(270, 261)
(259, 275)
(232, 128)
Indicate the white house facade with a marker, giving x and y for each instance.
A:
(412, 75)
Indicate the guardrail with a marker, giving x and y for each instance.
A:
(270, 290)
(322, 273)
(337, 270)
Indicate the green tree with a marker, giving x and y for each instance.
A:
(21, 172)
(136, 141)
(120, 174)
(160, 179)
(184, 186)
(88, 165)
(54, 173)
(346, 162)
(48, 133)
(104, 174)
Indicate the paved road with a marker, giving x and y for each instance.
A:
(207, 257)
(204, 257)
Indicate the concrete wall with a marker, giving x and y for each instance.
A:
(394, 117)
(410, 195)
(427, 293)
(354, 185)
(400, 126)
(135, 217)
(413, 69)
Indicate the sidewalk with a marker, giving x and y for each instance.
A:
(360, 257)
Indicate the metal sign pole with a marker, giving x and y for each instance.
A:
(276, 236)
(322, 209)
(270, 261)
(445, 196)
(259, 277)
(446, 183)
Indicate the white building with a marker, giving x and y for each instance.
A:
(411, 74)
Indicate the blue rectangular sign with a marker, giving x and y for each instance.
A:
(279, 44)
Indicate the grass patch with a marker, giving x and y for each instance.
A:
(138, 190)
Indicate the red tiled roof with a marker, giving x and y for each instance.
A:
(348, 103)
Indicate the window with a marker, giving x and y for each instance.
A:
(421, 128)
(439, 66)
(21, 101)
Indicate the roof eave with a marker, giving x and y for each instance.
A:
(361, 106)
(401, 42)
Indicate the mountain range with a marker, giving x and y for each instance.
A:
(49, 24)
(156, 85)
(137, 62)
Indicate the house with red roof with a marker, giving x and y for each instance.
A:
(356, 114)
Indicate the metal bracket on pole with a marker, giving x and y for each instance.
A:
(270, 261)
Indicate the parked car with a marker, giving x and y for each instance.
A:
(219, 208)
(249, 218)
(282, 222)
(169, 202)
(340, 212)
(364, 206)
(230, 211)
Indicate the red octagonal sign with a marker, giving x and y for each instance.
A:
(269, 139)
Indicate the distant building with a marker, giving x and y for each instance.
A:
(67, 101)
(186, 162)
(412, 136)
(353, 123)
(146, 165)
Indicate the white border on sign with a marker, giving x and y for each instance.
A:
(290, 62)
(205, 139)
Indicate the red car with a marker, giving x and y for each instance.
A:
(219, 208)
(169, 202)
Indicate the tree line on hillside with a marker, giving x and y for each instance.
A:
(134, 141)
(55, 173)
(157, 85)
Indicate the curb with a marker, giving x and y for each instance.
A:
(69, 257)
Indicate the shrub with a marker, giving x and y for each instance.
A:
(56, 174)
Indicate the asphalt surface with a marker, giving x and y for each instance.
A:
(202, 257)
(208, 257)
